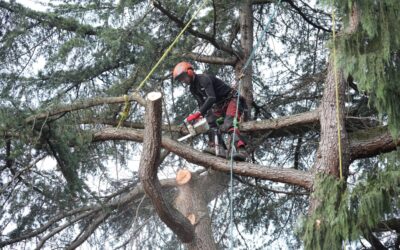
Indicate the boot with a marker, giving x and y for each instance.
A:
(240, 154)
(215, 138)
(219, 151)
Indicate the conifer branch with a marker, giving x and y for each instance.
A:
(83, 104)
(210, 39)
(83, 212)
(95, 222)
(51, 20)
(305, 17)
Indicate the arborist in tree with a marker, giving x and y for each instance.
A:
(217, 102)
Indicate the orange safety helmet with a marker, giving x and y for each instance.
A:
(183, 68)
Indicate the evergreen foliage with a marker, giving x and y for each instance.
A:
(349, 213)
(371, 53)
(54, 176)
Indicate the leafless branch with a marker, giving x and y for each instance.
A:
(195, 33)
(211, 59)
(290, 176)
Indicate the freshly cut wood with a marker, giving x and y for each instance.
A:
(192, 218)
(183, 176)
(153, 96)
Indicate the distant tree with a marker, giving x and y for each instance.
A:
(71, 72)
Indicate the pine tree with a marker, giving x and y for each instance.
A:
(69, 174)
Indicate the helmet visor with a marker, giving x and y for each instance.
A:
(183, 78)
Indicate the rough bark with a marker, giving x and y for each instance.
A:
(333, 154)
(193, 199)
(246, 42)
(148, 171)
(298, 122)
(371, 142)
(211, 59)
(328, 157)
(328, 152)
(289, 176)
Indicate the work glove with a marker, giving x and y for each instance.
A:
(193, 116)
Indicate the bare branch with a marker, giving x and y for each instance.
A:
(195, 33)
(371, 142)
(290, 176)
(305, 17)
(302, 119)
(211, 59)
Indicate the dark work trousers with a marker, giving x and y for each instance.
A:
(221, 120)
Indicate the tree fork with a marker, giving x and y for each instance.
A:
(148, 171)
(192, 201)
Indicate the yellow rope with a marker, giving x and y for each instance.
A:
(170, 47)
(124, 114)
(337, 92)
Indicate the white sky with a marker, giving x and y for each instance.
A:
(33, 4)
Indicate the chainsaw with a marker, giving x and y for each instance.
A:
(199, 127)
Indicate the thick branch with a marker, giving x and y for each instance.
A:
(211, 59)
(289, 176)
(310, 118)
(371, 142)
(374, 241)
(148, 171)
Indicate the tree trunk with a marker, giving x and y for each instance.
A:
(192, 201)
(328, 157)
(148, 167)
(246, 41)
(331, 119)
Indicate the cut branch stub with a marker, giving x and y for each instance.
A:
(149, 162)
(192, 218)
(183, 176)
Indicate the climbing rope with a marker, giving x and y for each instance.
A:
(235, 121)
(337, 91)
(125, 112)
